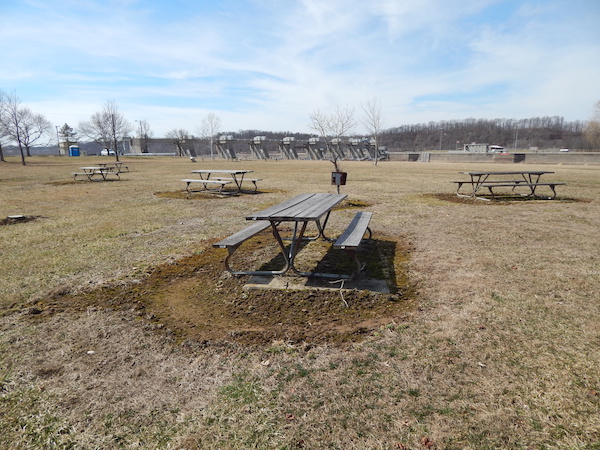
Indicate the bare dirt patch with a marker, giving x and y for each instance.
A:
(501, 199)
(196, 300)
(201, 194)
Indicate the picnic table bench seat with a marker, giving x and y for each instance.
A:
(517, 184)
(75, 174)
(102, 173)
(491, 185)
(232, 242)
(354, 233)
(351, 239)
(220, 183)
(253, 180)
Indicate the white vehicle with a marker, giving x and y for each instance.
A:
(107, 152)
(564, 149)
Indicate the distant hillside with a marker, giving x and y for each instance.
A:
(540, 132)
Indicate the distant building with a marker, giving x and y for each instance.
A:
(482, 148)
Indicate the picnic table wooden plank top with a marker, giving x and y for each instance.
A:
(230, 171)
(304, 207)
(520, 172)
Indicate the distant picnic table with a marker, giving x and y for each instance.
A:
(221, 177)
(101, 172)
(522, 183)
(117, 166)
(299, 211)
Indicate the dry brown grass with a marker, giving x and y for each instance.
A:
(501, 353)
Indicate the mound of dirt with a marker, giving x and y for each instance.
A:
(195, 299)
(501, 199)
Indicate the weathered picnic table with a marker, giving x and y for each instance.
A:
(299, 212)
(224, 175)
(99, 173)
(117, 166)
(527, 179)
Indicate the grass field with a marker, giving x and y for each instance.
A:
(497, 346)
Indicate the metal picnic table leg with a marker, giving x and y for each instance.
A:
(294, 246)
(286, 267)
(528, 178)
(476, 182)
(321, 227)
(290, 256)
(294, 251)
(207, 178)
(296, 240)
(238, 183)
(480, 180)
(277, 237)
(533, 185)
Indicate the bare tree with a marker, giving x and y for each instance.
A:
(68, 135)
(592, 129)
(333, 126)
(373, 122)
(2, 131)
(319, 123)
(209, 128)
(342, 121)
(179, 138)
(144, 133)
(107, 127)
(20, 125)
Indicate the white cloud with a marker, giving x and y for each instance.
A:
(265, 64)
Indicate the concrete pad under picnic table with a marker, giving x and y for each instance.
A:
(283, 282)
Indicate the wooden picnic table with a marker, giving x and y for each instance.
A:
(102, 172)
(300, 211)
(490, 180)
(235, 175)
(116, 165)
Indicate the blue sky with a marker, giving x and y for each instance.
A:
(267, 64)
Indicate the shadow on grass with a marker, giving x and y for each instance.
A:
(379, 259)
(204, 194)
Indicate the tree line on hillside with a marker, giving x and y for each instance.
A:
(512, 134)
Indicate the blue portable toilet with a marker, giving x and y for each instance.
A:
(73, 150)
